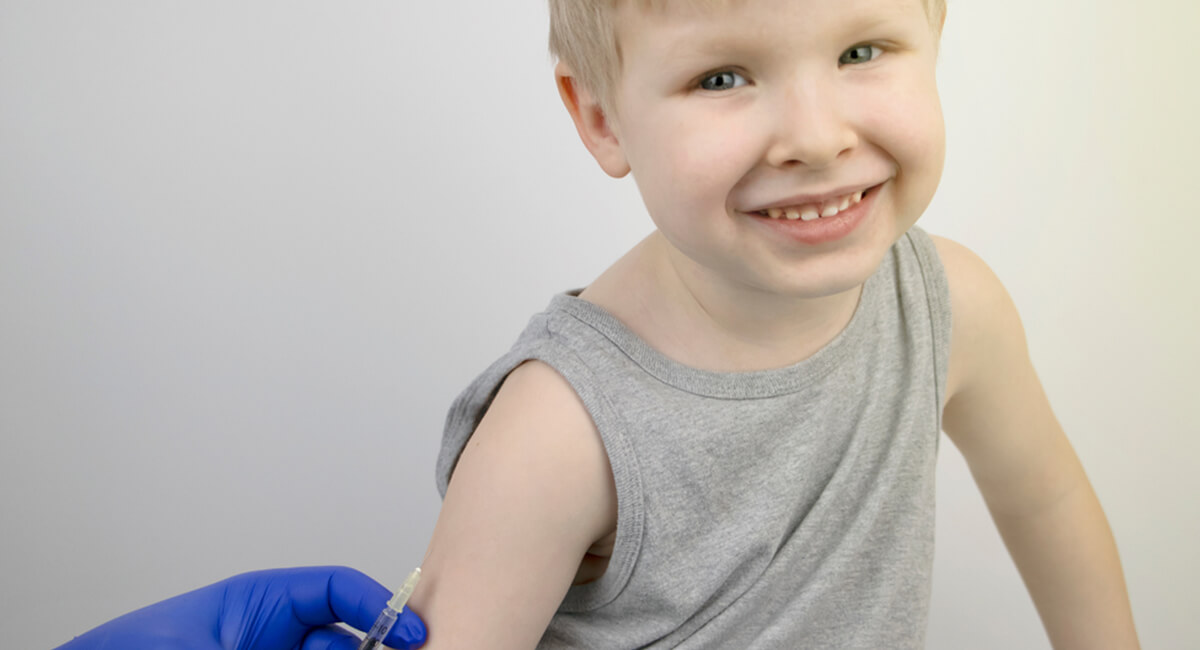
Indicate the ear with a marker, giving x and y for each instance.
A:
(593, 126)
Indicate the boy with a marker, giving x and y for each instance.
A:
(727, 440)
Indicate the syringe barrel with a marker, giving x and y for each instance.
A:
(379, 630)
(383, 624)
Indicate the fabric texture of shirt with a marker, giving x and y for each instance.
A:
(782, 508)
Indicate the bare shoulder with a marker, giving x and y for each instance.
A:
(996, 413)
(983, 316)
(531, 493)
(999, 415)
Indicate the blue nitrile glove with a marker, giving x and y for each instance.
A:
(278, 609)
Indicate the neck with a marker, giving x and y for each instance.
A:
(714, 323)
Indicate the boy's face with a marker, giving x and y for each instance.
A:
(721, 112)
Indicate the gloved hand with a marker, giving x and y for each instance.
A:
(278, 609)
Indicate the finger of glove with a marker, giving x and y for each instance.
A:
(330, 637)
(324, 595)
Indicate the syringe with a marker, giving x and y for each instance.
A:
(387, 618)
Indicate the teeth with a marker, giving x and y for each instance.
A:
(810, 212)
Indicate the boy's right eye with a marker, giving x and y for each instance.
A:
(723, 80)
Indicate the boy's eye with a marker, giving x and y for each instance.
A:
(860, 54)
(722, 81)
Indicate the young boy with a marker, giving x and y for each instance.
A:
(728, 439)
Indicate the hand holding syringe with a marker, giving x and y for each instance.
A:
(387, 618)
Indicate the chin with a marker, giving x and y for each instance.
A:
(835, 273)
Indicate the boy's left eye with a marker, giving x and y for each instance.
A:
(861, 54)
(722, 81)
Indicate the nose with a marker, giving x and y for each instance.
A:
(811, 127)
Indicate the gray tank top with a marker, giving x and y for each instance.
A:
(783, 508)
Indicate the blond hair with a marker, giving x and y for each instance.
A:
(582, 36)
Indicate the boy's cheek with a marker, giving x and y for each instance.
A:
(690, 163)
(910, 117)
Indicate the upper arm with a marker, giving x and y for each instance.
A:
(530, 493)
(996, 411)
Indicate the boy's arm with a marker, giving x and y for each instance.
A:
(532, 491)
(1035, 488)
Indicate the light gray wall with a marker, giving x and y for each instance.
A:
(249, 252)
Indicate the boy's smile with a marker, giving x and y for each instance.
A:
(820, 219)
(723, 112)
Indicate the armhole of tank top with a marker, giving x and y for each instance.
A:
(626, 476)
(937, 289)
(467, 410)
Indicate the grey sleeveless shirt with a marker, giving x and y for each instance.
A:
(783, 508)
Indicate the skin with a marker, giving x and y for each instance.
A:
(716, 289)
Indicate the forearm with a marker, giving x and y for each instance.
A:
(1068, 559)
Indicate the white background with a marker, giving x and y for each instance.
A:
(250, 251)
